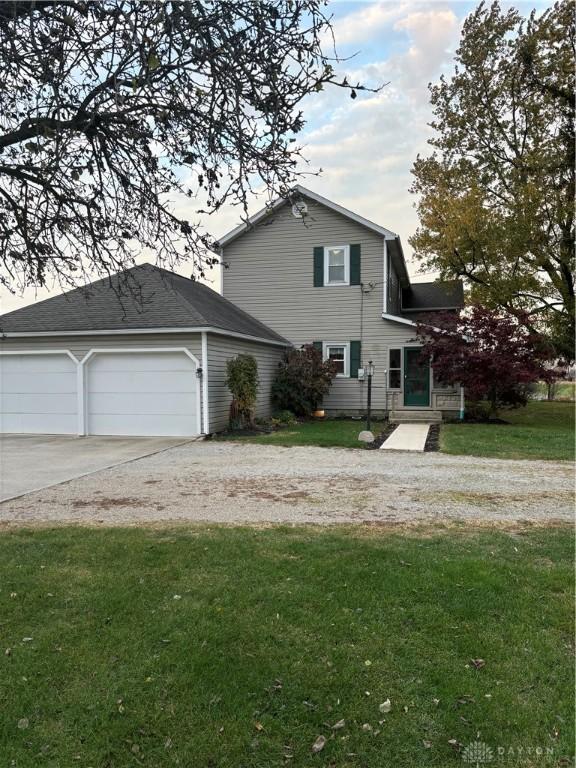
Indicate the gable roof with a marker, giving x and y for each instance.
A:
(392, 239)
(144, 297)
(420, 297)
(299, 190)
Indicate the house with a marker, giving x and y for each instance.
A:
(316, 273)
(142, 353)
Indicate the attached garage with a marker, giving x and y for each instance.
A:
(39, 393)
(142, 393)
(142, 354)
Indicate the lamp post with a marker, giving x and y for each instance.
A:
(369, 373)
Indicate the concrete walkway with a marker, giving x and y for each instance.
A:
(407, 437)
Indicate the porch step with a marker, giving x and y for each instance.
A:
(414, 416)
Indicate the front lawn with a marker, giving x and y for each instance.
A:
(326, 433)
(218, 647)
(542, 430)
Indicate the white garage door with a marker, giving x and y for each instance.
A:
(141, 393)
(38, 394)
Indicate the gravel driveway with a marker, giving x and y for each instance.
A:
(234, 483)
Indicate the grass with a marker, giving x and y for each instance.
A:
(542, 430)
(236, 648)
(329, 433)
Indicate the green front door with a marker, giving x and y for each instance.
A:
(416, 378)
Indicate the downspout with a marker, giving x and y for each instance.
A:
(205, 411)
(461, 403)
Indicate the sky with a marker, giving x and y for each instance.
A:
(366, 147)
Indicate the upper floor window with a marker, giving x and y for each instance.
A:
(337, 265)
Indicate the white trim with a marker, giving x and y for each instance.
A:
(205, 388)
(135, 350)
(40, 352)
(81, 399)
(395, 319)
(234, 233)
(385, 283)
(345, 345)
(139, 331)
(327, 249)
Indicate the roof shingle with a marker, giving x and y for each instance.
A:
(143, 297)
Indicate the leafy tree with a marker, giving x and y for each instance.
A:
(112, 113)
(302, 380)
(242, 381)
(492, 355)
(496, 197)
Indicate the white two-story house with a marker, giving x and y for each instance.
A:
(317, 273)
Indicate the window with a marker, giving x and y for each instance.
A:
(394, 368)
(338, 354)
(337, 265)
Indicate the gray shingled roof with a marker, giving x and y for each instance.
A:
(420, 297)
(144, 297)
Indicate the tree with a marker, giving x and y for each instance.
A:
(242, 381)
(113, 111)
(496, 197)
(492, 355)
(302, 380)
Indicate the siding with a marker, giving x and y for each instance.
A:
(270, 275)
(221, 349)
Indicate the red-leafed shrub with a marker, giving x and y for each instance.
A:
(302, 380)
(494, 357)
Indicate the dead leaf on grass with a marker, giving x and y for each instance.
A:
(319, 744)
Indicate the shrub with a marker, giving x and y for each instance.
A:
(302, 380)
(493, 356)
(242, 381)
(285, 417)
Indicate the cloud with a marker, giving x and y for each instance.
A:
(367, 23)
(432, 34)
(366, 147)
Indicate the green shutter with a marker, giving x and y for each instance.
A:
(318, 266)
(355, 265)
(355, 357)
(318, 345)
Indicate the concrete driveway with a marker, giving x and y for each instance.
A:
(228, 482)
(32, 462)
